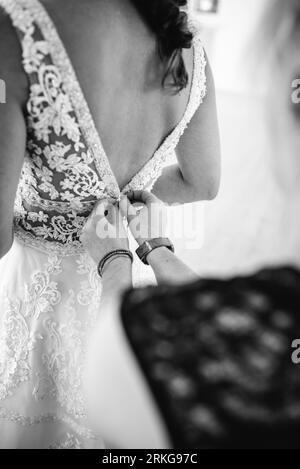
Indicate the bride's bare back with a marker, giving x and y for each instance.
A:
(114, 55)
(117, 64)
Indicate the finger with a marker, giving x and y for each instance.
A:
(111, 214)
(142, 196)
(101, 208)
(124, 205)
(127, 209)
(97, 215)
(98, 212)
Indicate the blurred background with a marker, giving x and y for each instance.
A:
(254, 221)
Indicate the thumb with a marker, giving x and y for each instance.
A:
(101, 207)
(127, 209)
(112, 214)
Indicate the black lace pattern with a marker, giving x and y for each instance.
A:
(217, 356)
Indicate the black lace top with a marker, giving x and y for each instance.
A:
(217, 356)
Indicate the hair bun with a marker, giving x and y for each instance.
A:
(170, 25)
(173, 31)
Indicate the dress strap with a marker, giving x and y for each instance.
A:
(35, 49)
(198, 89)
(48, 65)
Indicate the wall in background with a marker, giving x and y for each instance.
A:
(248, 225)
(228, 37)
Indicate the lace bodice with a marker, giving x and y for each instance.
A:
(66, 170)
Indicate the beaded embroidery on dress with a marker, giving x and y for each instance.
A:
(50, 293)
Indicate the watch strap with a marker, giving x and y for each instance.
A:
(148, 246)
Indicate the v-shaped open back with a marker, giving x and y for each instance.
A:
(87, 123)
(66, 168)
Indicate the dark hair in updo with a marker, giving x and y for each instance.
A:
(170, 25)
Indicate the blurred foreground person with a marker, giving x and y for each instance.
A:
(211, 363)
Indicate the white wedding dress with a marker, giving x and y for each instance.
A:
(49, 288)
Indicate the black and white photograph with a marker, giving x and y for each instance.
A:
(149, 227)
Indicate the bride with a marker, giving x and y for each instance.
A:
(100, 94)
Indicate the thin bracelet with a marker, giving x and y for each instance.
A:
(110, 255)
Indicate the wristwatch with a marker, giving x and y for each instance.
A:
(148, 246)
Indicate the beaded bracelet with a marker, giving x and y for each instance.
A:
(111, 255)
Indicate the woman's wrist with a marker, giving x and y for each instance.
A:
(116, 279)
(157, 254)
(153, 245)
(115, 264)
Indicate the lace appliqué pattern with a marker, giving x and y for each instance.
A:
(17, 336)
(29, 325)
(70, 442)
(24, 421)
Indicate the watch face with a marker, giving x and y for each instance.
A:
(149, 246)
